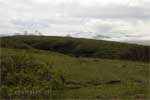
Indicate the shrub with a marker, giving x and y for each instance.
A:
(26, 70)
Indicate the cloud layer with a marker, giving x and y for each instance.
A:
(116, 18)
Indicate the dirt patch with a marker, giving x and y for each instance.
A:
(73, 84)
(84, 82)
(113, 82)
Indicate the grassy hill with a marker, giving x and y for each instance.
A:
(30, 69)
(80, 47)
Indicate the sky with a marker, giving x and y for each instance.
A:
(122, 20)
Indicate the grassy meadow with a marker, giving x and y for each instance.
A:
(37, 68)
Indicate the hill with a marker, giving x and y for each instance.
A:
(80, 47)
(40, 67)
(34, 74)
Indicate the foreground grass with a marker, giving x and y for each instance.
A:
(27, 75)
(71, 77)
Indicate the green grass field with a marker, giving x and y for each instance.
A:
(52, 75)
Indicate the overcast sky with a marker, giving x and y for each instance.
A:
(120, 19)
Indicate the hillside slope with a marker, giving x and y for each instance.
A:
(37, 74)
(80, 47)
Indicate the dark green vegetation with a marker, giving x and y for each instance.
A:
(24, 73)
(80, 47)
(27, 72)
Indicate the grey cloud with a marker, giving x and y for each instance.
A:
(67, 21)
(30, 23)
(105, 28)
(142, 42)
(112, 11)
(64, 16)
(115, 27)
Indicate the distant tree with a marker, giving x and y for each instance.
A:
(68, 35)
(38, 33)
(17, 33)
(25, 32)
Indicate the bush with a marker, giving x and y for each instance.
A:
(27, 71)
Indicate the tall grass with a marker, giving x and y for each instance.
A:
(27, 75)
